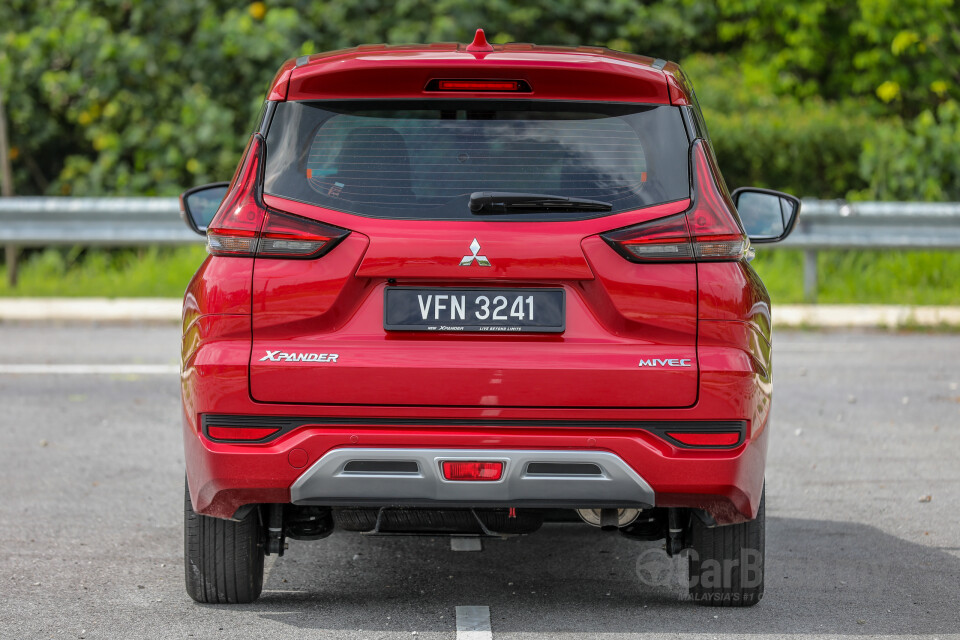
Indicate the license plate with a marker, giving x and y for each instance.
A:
(474, 310)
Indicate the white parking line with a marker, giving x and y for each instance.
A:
(90, 369)
(473, 623)
(458, 543)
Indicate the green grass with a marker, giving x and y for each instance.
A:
(865, 277)
(880, 277)
(130, 273)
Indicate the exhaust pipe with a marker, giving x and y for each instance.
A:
(608, 518)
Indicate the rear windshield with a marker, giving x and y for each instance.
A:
(422, 159)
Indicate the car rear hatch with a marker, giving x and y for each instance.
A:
(424, 302)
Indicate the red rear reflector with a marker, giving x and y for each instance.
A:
(479, 85)
(706, 439)
(454, 470)
(240, 433)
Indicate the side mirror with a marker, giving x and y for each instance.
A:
(200, 204)
(767, 216)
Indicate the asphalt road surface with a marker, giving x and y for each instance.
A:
(863, 496)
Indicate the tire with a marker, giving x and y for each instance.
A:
(726, 563)
(223, 559)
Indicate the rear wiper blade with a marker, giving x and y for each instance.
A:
(492, 202)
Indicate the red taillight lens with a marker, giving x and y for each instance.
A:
(458, 470)
(233, 230)
(289, 236)
(706, 439)
(240, 433)
(709, 231)
(663, 240)
(716, 232)
(244, 227)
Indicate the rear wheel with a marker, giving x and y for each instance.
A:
(223, 559)
(726, 563)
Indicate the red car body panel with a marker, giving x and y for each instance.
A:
(554, 73)
(714, 314)
(588, 365)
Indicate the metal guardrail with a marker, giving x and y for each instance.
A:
(95, 222)
(103, 222)
(836, 224)
(114, 222)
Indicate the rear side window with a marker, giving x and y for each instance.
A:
(422, 159)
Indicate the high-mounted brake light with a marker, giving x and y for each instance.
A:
(707, 232)
(462, 470)
(478, 85)
(243, 226)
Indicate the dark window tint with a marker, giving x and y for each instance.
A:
(423, 159)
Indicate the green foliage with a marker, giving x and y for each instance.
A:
(111, 97)
(912, 52)
(904, 53)
(812, 147)
(809, 147)
(800, 42)
(133, 98)
(918, 161)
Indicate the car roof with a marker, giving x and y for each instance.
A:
(552, 73)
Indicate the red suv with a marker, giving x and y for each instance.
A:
(466, 289)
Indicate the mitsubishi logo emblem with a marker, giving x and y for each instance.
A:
(468, 260)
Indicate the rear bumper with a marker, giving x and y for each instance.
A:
(225, 476)
(413, 477)
(306, 465)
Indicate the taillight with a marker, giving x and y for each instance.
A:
(288, 236)
(233, 230)
(663, 240)
(464, 470)
(717, 234)
(708, 231)
(243, 226)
